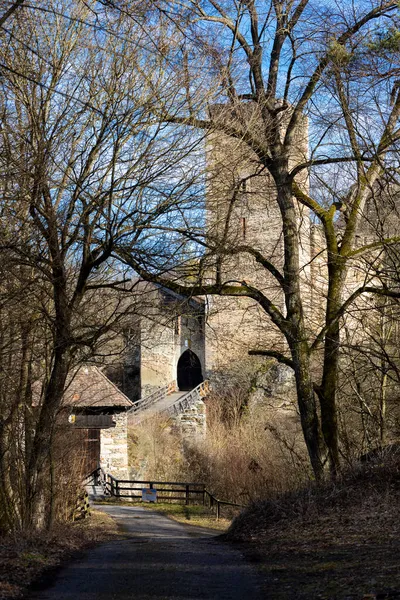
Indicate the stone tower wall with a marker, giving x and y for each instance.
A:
(175, 325)
(242, 211)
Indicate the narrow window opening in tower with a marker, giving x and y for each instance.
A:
(244, 227)
(177, 325)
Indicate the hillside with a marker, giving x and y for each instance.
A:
(340, 540)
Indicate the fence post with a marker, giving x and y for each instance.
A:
(218, 509)
(151, 484)
(187, 495)
(117, 488)
(86, 510)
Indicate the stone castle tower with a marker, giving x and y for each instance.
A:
(242, 212)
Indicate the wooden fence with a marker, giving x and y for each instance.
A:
(184, 492)
(214, 502)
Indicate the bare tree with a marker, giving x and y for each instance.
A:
(270, 64)
(370, 365)
(84, 165)
(9, 9)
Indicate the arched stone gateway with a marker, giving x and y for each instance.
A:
(189, 371)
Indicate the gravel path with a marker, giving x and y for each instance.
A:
(157, 558)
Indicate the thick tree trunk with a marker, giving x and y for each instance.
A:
(7, 498)
(327, 397)
(12, 444)
(25, 402)
(328, 389)
(39, 459)
(307, 407)
(296, 332)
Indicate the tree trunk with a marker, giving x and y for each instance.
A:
(296, 333)
(307, 407)
(382, 403)
(327, 394)
(39, 460)
(327, 397)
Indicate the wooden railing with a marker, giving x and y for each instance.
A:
(185, 402)
(166, 490)
(157, 395)
(214, 502)
(195, 493)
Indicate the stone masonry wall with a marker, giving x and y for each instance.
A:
(114, 447)
(242, 211)
(192, 423)
(176, 326)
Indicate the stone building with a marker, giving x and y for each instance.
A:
(164, 344)
(189, 339)
(93, 405)
(242, 212)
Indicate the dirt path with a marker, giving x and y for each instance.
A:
(157, 558)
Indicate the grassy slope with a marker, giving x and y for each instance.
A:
(338, 541)
(190, 515)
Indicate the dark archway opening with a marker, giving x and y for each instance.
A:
(189, 371)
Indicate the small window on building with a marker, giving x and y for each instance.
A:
(244, 225)
(177, 325)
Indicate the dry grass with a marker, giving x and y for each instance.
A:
(156, 450)
(239, 460)
(242, 462)
(366, 492)
(196, 515)
(339, 540)
(24, 558)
